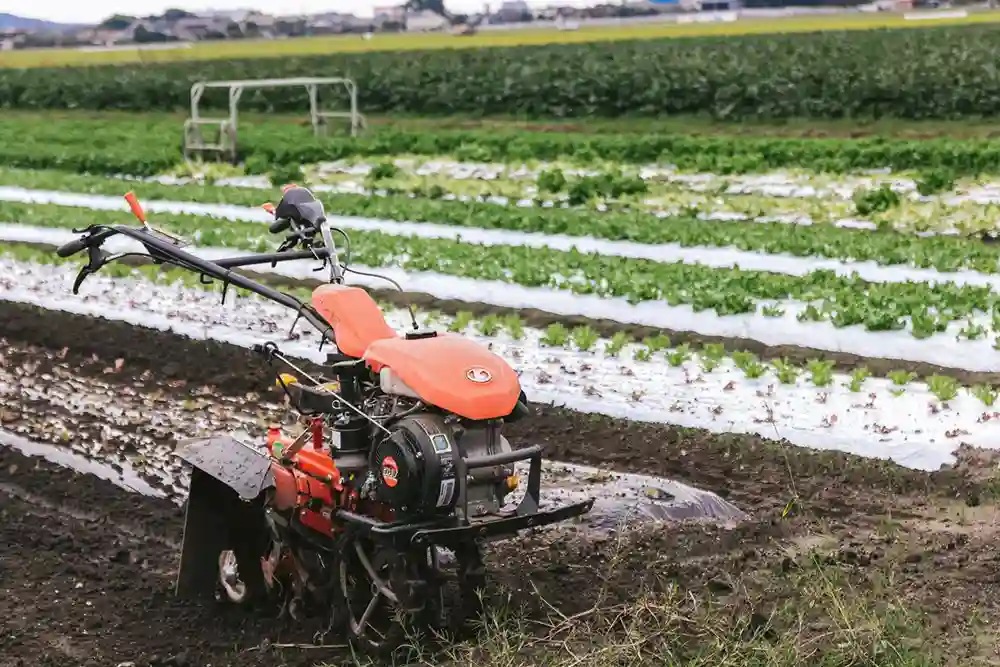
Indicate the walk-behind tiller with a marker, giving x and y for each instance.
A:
(388, 493)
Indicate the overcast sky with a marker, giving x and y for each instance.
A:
(92, 11)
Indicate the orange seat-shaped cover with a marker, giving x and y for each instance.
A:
(454, 373)
(356, 319)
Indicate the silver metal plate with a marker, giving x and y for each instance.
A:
(237, 465)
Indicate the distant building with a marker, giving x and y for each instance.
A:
(513, 11)
(12, 38)
(425, 21)
(390, 14)
(193, 29)
(230, 15)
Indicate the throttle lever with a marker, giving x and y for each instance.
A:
(290, 242)
(80, 277)
(96, 259)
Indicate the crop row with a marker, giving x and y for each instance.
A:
(939, 72)
(926, 204)
(145, 145)
(940, 252)
(708, 357)
(924, 309)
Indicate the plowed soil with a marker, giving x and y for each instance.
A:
(834, 544)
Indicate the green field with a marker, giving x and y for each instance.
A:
(939, 73)
(530, 36)
(147, 144)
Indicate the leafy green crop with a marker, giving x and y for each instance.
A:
(875, 200)
(934, 72)
(821, 371)
(709, 357)
(935, 181)
(985, 393)
(463, 319)
(787, 372)
(145, 145)
(614, 346)
(556, 335)
(858, 377)
(489, 325)
(844, 301)
(514, 326)
(940, 252)
(679, 355)
(584, 338)
(943, 387)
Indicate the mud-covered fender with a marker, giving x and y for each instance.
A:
(224, 510)
(245, 470)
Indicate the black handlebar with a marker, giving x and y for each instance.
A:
(163, 251)
(96, 235)
(71, 248)
(279, 226)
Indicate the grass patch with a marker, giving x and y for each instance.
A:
(818, 614)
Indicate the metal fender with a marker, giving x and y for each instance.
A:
(245, 470)
(224, 511)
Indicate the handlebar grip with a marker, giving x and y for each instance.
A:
(71, 248)
(279, 226)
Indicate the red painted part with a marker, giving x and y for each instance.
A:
(390, 471)
(314, 489)
(319, 464)
(317, 432)
(274, 436)
(316, 521)
(294, 487)
(286, 489)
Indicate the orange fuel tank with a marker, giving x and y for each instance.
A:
(454, 373)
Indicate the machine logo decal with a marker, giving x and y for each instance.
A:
(390, 471)
(446, 492)
(478, 375)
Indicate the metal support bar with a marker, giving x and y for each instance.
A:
(504, 458)
(226, 145)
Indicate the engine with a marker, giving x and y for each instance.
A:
(416, 470)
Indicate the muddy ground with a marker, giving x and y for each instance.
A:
(862, 562)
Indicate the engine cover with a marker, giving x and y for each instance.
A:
(414, 468)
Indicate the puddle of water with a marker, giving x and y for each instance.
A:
(127, 478)
(623, 499)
